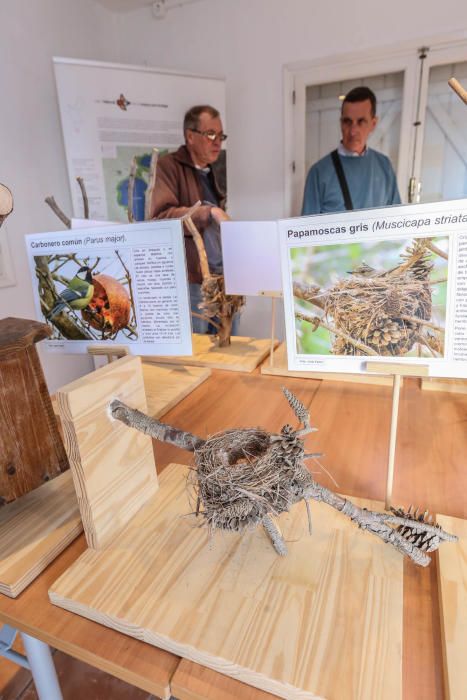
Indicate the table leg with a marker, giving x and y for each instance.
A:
(42, 668)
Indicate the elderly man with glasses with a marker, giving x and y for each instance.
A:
(185, 177)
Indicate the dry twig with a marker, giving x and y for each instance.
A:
(84, 195)
(56, 210)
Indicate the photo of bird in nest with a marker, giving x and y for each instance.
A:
(383, 298)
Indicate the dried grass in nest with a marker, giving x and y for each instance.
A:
(241, 476)
(370, 310)
(215, 301)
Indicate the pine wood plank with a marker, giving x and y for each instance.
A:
(129, 659)
(403, 370)
(280, 369)
(456, 386)
(325, 621)
(98, 446)
(34, 529)
(166, 385)
(194, 682)
(353, 422)
(452, 577)
(242, 355)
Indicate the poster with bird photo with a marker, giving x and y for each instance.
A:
(115, 284)
(383, 298)
(383, 285)
(87, 297)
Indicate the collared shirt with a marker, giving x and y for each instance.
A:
(343, 151)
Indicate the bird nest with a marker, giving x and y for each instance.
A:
(375, 313)
(241, 476)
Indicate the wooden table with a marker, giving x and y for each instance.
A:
(353, 422)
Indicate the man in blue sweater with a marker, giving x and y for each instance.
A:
(353, 176)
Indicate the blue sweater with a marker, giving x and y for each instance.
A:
(370, 179)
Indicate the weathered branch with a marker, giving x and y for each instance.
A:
(56, 210)
(312, 294)
(150, 426)
(422, 322)
(317, 321)
(84, 195)
(376, 523)
(206, 318)
(203, 258)
(151, 184)
(434, 249)
(131, 189)
(130, 286)
(423, 341)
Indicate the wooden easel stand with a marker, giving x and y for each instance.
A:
(397, 371)
(273, 296)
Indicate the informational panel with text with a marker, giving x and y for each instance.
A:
(387, 284)
(112, 113)
(113, 284)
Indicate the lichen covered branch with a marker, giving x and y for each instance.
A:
(154, 428)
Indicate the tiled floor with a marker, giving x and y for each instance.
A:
(78, 681)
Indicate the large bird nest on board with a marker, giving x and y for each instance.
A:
(244, 477)
(241, 478)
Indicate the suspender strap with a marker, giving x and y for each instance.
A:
(342, 180)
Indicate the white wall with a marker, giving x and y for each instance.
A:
(32, 157)
(246, 41)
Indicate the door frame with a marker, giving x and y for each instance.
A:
(403, 58)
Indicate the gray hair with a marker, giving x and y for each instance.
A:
(191, 119)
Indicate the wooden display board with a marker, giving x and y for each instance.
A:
(452, 579)
(453, 386)
(325, 621)
(243, 355)
(113, 468)
(34, 529)
(278, 368)
(167, 385)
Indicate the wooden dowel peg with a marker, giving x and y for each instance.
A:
(458, 89)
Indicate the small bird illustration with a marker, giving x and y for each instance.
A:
(77, 294)
(122, 102)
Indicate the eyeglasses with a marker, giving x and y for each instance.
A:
(211, 135)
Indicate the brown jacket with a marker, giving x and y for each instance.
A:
(177, 188)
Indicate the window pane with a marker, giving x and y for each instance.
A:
(444, 155)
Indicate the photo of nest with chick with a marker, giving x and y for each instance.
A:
(384, 298)
(82, 302)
